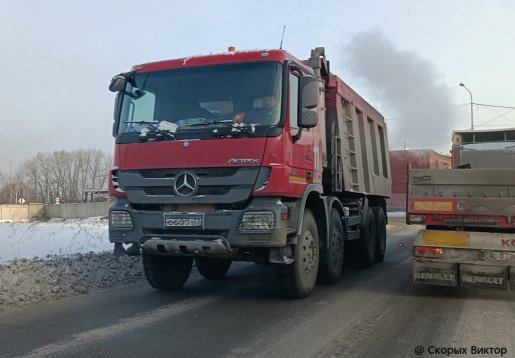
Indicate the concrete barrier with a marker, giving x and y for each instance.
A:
(17, 212)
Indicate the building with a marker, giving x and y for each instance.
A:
(418, 158)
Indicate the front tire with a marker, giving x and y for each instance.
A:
(331, 258)
(212, 269)
(166, 273)
(298, 279)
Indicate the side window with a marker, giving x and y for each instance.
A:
(135, 110)
(294, 100)
(143, 107)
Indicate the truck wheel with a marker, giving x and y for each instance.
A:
(380, 233)
(331, 258)
(298, 279)
(366, 244)
(165, 272)
(212, 269)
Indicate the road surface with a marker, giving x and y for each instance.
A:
(376, 312)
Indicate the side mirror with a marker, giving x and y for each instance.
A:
(117, 83)
(308, 99)
(307, 119)
(116, 114)
(308, 90)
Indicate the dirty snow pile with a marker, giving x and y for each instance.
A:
(42, 261)
(25, 282)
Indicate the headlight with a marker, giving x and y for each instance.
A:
(120, 220)
(255, 221)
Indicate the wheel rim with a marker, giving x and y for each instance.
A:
(308, 253)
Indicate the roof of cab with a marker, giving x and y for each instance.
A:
(273, 55)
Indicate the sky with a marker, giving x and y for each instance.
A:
(405, 57)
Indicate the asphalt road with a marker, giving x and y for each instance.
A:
(376, 312)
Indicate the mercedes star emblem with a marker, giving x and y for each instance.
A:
(185, 184)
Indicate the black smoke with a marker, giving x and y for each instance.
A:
(414, 100)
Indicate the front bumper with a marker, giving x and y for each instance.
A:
(220, 229)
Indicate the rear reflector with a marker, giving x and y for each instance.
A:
(445, 238)
(433, 206)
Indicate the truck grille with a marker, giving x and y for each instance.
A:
(200, 172)
(203, 190)
(216, 185)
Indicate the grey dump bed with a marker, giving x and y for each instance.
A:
(358, 155)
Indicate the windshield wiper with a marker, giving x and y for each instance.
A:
(156, 131)
(234, 132)
(206, 123)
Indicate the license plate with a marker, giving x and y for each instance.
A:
(182, 221)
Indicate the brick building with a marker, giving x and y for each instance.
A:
(418, 158)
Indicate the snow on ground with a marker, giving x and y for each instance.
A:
(396, 214)
(42, 261)
(27, 240)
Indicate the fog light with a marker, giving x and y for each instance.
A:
(255, 221)
(120, 220)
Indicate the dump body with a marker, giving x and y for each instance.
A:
(469, 214)
(237, 156)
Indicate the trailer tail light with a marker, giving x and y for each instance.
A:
(425, 251)
(417, 219)
(114, 186)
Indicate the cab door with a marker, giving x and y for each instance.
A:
(303, 155)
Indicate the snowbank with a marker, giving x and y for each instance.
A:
(27, 240)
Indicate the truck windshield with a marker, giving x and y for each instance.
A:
(203, 97)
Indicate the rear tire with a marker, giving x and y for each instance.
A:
(298, 278)
(366, 244)
(380, 218)
(165, 272)
(331, 258)
(211, 268)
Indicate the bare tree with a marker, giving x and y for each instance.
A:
(60, 174)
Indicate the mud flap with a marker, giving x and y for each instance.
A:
(483, 276)
(435, 273)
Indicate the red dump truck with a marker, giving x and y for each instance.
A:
(247, 156)
(469, 214)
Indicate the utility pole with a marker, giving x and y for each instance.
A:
(471, 107)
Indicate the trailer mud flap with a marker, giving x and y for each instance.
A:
(492, 277)
(435, 273)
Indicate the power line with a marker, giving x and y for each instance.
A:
(500, 115)
(490, 105)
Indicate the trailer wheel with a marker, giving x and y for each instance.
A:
(165, 272)
(211, 268)
(331, 258)
(380, 233)
(298, 278)
(366, 244)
